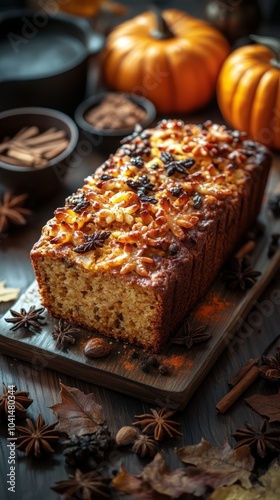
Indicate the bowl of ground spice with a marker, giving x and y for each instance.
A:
(36, 145)
(108, 117)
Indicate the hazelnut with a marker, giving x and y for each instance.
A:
(97, 348)
(126, 435)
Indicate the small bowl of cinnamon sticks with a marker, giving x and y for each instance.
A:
(36, 145)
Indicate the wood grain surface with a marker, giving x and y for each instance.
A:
(122, 372)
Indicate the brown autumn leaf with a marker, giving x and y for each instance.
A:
(268, 406)
(174, 483)
(78, 413)
(132, 485)
(268, 487)
(219, 466)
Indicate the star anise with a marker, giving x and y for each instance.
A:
(271, 368)
(90, 485)
(12, 210)
(143, 186)
(77, 202)
(37, 438)
(172, 165)
(21, 402)
(240, 274)
(64, 334)
(159, 423)
(27, 319)
(274, 204)
(93, 241)
(191, 337)
(263, 440)
(145, 446)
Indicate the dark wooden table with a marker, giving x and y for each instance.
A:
(199, 419)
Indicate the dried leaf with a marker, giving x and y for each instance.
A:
(268, 488)
(219, 466)
(268, 406)
(7, 294)
(237, 492)
(132, 485)
(271, 479)
(174, 483)
(78, 413)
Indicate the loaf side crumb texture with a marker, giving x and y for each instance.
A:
(134, 249)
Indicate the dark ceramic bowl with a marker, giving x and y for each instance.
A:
(37, 182)
(108, 140)
(46, 58)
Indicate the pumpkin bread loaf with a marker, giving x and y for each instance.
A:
(134, 249)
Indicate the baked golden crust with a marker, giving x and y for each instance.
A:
(162, 213)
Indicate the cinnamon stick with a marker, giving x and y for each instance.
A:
(29, 147)
(242, 372)
(247, 248)
(46, 137)
(231, 397)
(21, 155)
(26, 133)
(56, 150)
(11, 161)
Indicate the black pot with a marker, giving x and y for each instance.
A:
(44, 59)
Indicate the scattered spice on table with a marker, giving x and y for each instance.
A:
(37, 439)
(64, 333)
(212, 308)
(12, 211)
(240, 275)
(191, 336)
(33, 148)
(177, 361)
(21, 402)
(159, 423)
(263, 440)
(27, 319)
(83, 486)
(115, 111)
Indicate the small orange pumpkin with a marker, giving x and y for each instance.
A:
(248, 90)
(175, 64)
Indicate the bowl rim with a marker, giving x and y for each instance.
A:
(90, 102)
(71, 21)
(52, 113)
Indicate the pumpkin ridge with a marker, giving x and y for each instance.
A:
(262, 110)
(240, 109)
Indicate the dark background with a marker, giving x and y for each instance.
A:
(270, 8)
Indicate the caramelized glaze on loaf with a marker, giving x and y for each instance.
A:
(135, 248)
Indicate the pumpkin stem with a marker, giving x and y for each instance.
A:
(162, 31)
(273, 44)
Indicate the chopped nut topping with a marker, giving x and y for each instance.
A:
(146, 197)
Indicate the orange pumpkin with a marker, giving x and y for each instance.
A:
(248, 90)
(174, 62)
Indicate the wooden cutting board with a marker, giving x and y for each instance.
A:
(222, 310)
